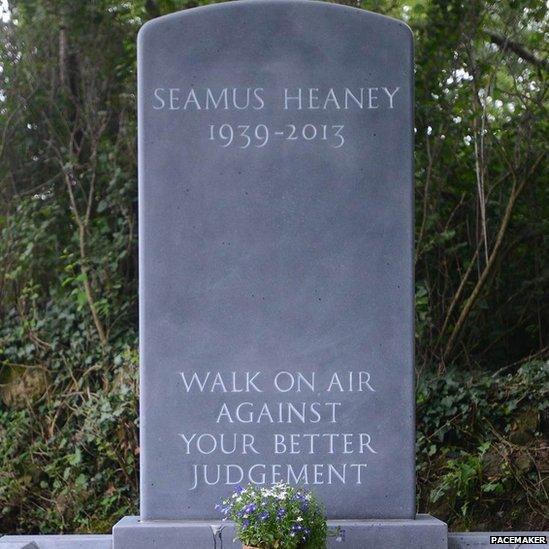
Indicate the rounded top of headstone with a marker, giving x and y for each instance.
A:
(236, 9)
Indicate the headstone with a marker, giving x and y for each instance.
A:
(276, 272)
(276, 293)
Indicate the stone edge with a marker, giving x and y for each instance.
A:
(456, 540)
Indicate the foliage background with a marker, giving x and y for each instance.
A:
(68, 333)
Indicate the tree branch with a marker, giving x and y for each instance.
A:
(471, 300)
(505, 44)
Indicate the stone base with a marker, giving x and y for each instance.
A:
(470, 540)
(81, 541)
(425, 532)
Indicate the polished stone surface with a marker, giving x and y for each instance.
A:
(56, 542)
(475, 540)
(424, 532)
(275, 196)
(18, 545)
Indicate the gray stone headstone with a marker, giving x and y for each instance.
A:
(276, 276)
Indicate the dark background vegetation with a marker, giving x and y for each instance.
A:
(68, 363)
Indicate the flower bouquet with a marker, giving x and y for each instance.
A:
(276, 517)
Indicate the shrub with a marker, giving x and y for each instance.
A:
(482, 448)
(276, 517)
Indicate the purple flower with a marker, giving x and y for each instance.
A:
(238, 489)
(264, 515)
(222, 508)
(250, 508)
(245, 523)
(281, 513)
